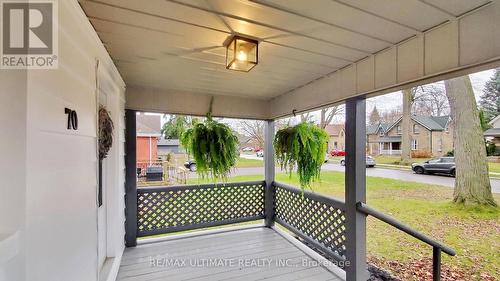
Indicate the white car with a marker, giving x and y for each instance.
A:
(370, 162)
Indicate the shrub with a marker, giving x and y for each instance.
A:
(421, 154)
(490, 148)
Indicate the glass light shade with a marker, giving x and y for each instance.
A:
(242, 54)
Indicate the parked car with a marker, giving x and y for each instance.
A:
(191, 165)
(260, 153)
(247, 149)
(337, 152)
(370, 162)
(441, 165)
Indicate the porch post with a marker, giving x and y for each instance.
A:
(355, 189)
(269, 168)
(130, 179)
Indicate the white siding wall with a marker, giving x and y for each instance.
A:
(12, 171)
(55, 208)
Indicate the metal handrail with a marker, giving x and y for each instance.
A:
(437, 247)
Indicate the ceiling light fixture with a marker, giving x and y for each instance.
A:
(242, 54)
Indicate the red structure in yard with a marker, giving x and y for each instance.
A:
(148, 133)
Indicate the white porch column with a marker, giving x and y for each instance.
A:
(390, 148)
(355, 189)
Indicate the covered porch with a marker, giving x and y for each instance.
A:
(170, 57)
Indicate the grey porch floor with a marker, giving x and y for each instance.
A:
(248, 254)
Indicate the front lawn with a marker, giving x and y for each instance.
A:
(474, 232)
(396, 160)
(494, 167)
(247, 163)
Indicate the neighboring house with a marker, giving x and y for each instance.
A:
(430, 135)
(336, 136)
(148, 133)
(493, 134)
(166, 146)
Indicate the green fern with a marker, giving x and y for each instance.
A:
(213, 146)
(302, 146)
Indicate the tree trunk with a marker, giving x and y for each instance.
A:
(472, 183)
(405, 127)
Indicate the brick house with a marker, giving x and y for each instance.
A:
(493, 134)
(148, 133)
(430, 135)
(336, 136)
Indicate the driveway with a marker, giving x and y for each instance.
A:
(378, 172)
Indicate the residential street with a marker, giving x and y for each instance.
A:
(377, 172)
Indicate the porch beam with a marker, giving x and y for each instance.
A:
(130, 179)
(150, 99)
(355, 188)
(462, 46)
(269, 165)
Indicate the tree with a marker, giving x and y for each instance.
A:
(175, 126)
(490, 99)
(390, 116)
(408, 99)
(374, 116)
(472, 183)
(306, 117)
(430, 100)
(253, 129)
(327, 115)
(482, 120)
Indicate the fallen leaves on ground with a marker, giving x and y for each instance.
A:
(421, 270)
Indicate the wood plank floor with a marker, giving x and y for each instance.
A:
(250, 254)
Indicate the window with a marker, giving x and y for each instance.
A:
(399, 129)
(440, 145)
(447, 129)
(414, 144)
(415, 128)
(447, 160)
(381, 133)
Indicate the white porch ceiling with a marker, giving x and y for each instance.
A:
(176, 46)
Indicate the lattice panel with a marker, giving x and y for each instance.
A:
(321, 222)
(161, 211)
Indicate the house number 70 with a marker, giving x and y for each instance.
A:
(72, 119)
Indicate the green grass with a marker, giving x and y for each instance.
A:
(396, 160)
(474, 232)
(494, 167)
(246, 163)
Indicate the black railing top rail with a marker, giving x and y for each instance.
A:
(195, 186)
(363, 208)
(312, 195)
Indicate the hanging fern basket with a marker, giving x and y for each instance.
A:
(213, 146)
(105, 132)
(302, 147)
